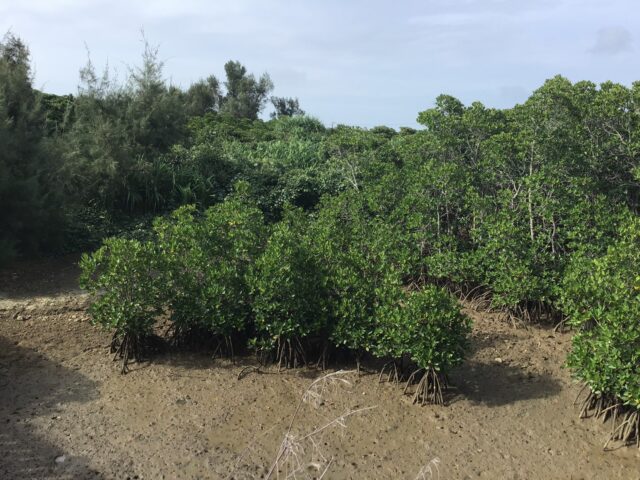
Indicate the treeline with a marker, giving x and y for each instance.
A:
(330, 234)
(77, 168)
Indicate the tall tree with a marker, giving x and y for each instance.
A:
(203, 96)
(25, 199)
(120, 134)
(285, 107)
(246, 96)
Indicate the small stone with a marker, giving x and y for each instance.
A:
(498, 360)
(60, 459)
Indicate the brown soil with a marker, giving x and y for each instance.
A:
(66, 412)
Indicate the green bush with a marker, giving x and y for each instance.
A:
(205, 261)
(602, 301)
(432, 211)
(428, 327)
(364, 256)
(122, 277)
(183, 263)
(290, 296)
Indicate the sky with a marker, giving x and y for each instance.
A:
(355, 62)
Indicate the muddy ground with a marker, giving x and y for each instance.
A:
(66, 411)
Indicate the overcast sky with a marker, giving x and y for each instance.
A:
(362, 62)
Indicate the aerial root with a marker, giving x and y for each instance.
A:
(290, 354)
(229, 344)
(560, 326)
(116, 346)
(627, 430)
(429, 388)
(301, 351)
(224, 348)
(588, 404)
(519, 316)
(218, 349)
(322, 360)
(533, 312)
(575, 402)
(359, 367)
(478, 301)
(125, 347)
(625, 420)
(391, 370)
(263, 356)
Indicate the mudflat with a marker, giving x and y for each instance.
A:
(66, 412)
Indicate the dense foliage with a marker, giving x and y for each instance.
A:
(28, 216)
(363, 260)
(290, 301)
(204, 262)
(602, 298)
(314, 283)
(121, 277)
(427, 327)
(344, 236)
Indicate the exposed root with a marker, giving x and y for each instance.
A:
(561, 326)
(430, 387)
(625, 420)
(477, 299)
(625, 426)
(533, 312)
(290, 353)
(517, 317)
(322, 359)
(247, 370)
(392, 372)
(127, 346)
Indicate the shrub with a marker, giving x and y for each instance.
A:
(205, 263)
(289, 287)
(432, 210)
(519, 271)
(122, 277)
(428, 327)
(363, 256)
(183, 263)
(602, 300)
